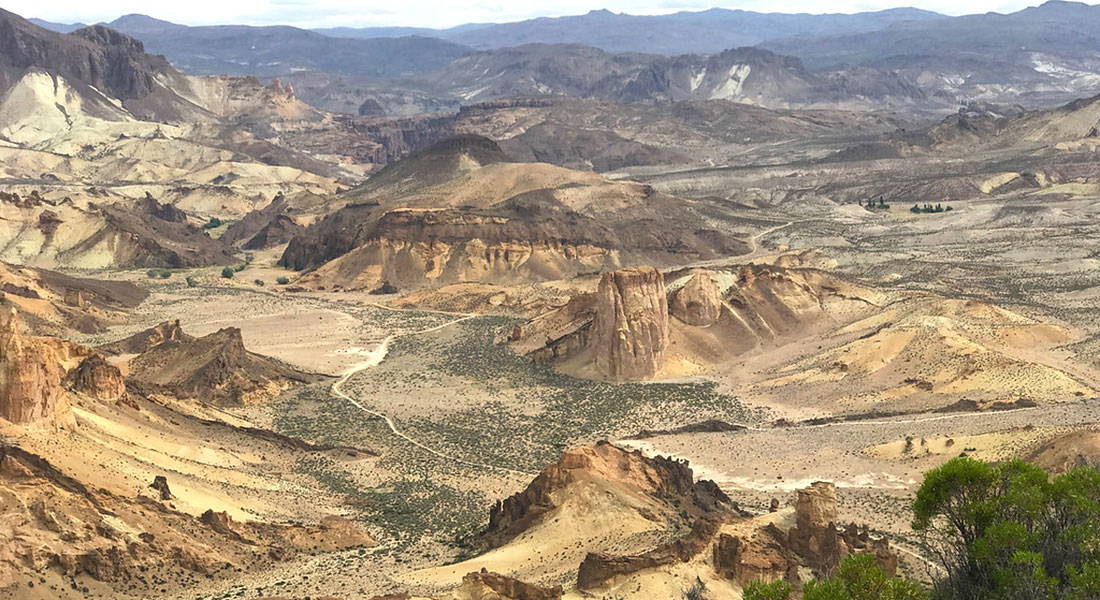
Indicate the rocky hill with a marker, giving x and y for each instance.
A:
(459, 212)
(605, 519)
(212, 368)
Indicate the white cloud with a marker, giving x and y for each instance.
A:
(433, 13)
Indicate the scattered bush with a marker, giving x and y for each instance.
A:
(161, 273)
(240, 267)
(282, 280)
(213, 223)
(928, 208)
(259, 282)
(191, 282)
(227, 273)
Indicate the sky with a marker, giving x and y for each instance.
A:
(428, 13)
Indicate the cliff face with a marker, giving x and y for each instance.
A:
(31, 370)
(96, 60)
(631, 323)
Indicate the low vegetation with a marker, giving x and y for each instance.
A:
(859, 577)
(928, 208)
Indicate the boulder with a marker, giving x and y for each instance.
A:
(699, 302)
(631, 327)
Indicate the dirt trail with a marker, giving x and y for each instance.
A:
(375, 358)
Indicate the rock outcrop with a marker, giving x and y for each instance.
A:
(31, 370)
(814, 542)
(661, 478)
(631, 333)
(96, 377)
(698, 302)
(485, 585)
(216, 367)
(144, 340)
(599, 567)
(763, 557)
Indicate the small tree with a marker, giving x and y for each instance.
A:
(227, 272)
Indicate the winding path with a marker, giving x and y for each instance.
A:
(375, 358)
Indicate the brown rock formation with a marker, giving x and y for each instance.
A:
(30, 376)
(699, 302)
(160, 484)
(631, 323)
(764, 557)
(216, 367)
(660, 478)
(598, 567)
(485, 585)
(96, 377)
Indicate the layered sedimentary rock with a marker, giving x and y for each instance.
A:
(56, 522)
(31, 370)
(96, 377)
(698, 302)
(631, 323)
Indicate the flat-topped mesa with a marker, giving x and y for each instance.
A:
(30, 378)
(631, 323)
(698, 302)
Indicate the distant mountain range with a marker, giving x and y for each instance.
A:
(1038, 56)
(279, 50)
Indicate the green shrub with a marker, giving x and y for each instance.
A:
(1011, 531)
(259, 282)
(282, 280)
(240, 268)
(213, 223)
(227, 273)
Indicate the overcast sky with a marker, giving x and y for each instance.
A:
(427, 13)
